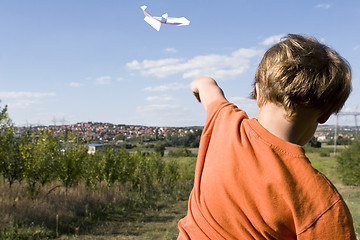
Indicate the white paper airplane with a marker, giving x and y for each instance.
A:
(156, 22)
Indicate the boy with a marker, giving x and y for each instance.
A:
(252, 178)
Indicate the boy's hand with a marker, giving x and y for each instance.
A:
(206, 90)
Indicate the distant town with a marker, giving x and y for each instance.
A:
(326, 133)
(98, 132)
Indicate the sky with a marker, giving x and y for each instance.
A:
(63, 62)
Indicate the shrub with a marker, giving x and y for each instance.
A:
(349, 164)
(180, 152)
(324, 153)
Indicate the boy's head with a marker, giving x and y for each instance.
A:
(301, 72)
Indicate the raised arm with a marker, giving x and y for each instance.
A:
(206, 91)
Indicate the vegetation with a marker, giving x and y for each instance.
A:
(340, 141)
(180, 152)
(51, 188)
(329, 166)
(78, 200)
(349, 164)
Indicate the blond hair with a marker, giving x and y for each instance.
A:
(301, 72)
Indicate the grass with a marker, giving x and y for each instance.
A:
(162, 224)
(115, 211)
(103, 214)
(158, 223)
(351, 194)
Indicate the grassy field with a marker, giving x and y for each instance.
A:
(351, 194)
(162, 224)
(160, 220)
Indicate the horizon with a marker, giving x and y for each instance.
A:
(154, 126)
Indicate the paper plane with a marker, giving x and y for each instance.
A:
(156, 22)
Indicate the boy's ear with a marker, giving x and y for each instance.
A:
(324, 117)
(258, 94)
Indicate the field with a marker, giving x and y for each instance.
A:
(116, 220)
(351, 194)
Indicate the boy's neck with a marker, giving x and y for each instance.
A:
(297, 129)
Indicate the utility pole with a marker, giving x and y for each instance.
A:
(355, 114)
(335, 135)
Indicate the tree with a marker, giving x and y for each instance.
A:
(70, 164)
(11, 164)
(340, 141)
(349, 164)
(40, 158)
(314, 143)
(93, 170)
(160, 148)
(180, 152)
(111, 168)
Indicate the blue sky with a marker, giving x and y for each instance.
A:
(89, 60)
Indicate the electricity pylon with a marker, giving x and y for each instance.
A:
(355, 114)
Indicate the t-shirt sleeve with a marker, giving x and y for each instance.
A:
(336, 223)
(211, 114)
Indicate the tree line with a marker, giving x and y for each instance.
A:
(36, 159)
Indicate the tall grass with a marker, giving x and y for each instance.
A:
(80, 209)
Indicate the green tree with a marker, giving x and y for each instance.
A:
(180, 152)
(349, 164)
(340, 141)
(93, 169)
(160, 148)
(314, 143)
(111, 168)
(40, 158)
(147, 176)
(126, 165)
(70, 164)
(171, 176)
(11, 162)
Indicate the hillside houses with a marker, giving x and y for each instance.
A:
(327, 132)
(98, 132)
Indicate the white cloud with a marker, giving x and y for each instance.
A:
(75, 84)
(24, 99)
(159, 99)
(146, 64)
(120, 79)
(166, 87)
(218, 66)
(356, 48)
(104, 80)
(26, 94)
(164, 115)
(247, 104)
(325, 6)
(272, 40)
(156, 107)
(24, 103)
(170, 50)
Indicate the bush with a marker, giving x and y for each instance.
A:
(340, 141)
(349, 164)
(180, 152)
(324, 153)
(314, 143)
(160, 148)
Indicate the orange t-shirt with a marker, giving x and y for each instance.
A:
(250, 184)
